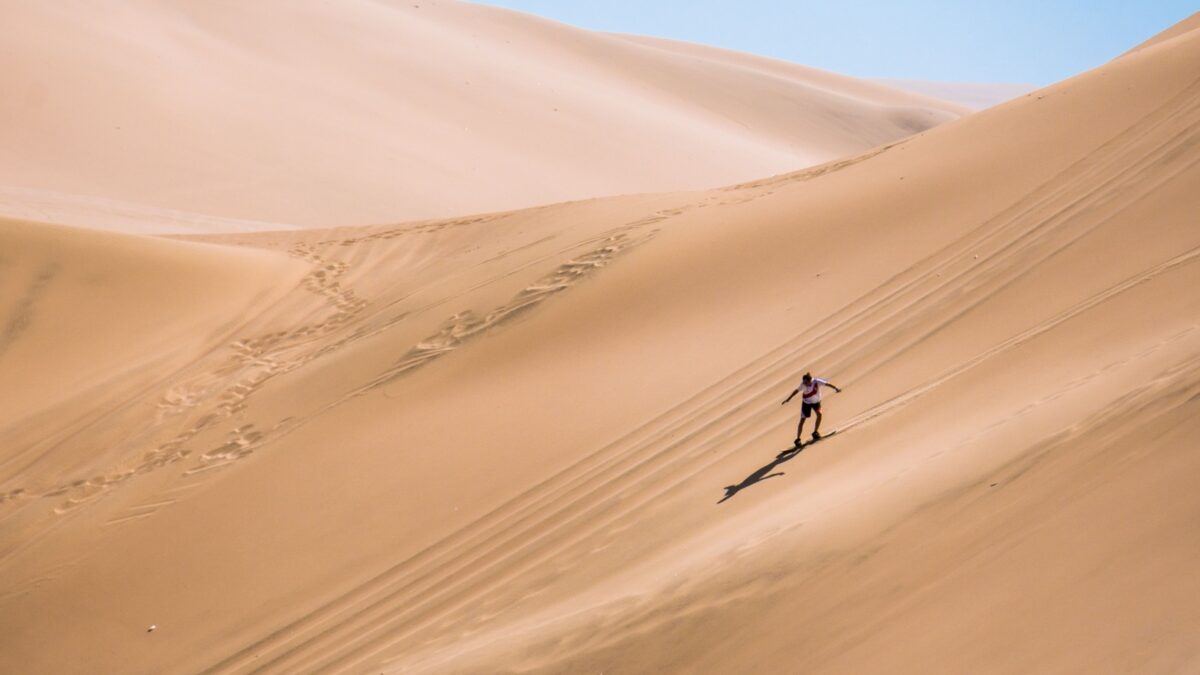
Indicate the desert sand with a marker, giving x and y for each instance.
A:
(365, 112)
(548, 440)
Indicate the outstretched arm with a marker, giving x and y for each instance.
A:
(834, 387)
(790, 396)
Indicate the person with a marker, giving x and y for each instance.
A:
(810, 402)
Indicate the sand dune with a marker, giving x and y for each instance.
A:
(362, 112)
(548, 440)
(92, 319)
(975, 95)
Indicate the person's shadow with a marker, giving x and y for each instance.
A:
(763, 473)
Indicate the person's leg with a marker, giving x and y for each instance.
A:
(817, 422)
(800, 429)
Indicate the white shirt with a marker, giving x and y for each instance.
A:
(812, 391)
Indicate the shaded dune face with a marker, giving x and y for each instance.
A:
(549, 440)
(360, 112)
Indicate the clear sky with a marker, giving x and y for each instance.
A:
(1012, 41)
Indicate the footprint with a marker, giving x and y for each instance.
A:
(465, 325)
(240, 443)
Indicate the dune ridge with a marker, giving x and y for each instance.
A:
(550, 440)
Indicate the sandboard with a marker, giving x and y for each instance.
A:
(798, 448)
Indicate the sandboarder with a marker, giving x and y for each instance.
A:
(810, 402)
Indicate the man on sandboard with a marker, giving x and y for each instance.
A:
(810, 402)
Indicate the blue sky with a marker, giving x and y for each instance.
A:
(1019, 41)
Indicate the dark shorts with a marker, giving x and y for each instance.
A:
(807, 409)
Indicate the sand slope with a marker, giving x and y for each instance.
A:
(362, 111)
(93, 323)
(546, 440)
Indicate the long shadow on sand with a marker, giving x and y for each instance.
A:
(763, 473)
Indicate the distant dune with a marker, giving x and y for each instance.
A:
(550, 440)
(359, 111)
(973, 95)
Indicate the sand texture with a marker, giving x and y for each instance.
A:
(549, 440)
